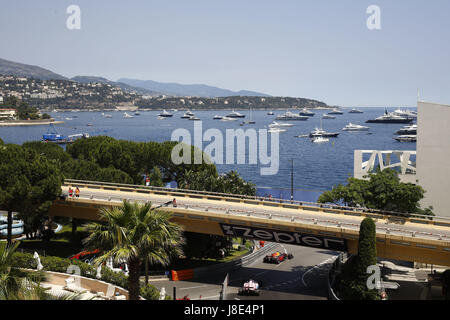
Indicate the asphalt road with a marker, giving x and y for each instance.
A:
(302, 278)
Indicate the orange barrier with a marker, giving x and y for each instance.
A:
(182, 274)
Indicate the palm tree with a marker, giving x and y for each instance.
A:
(16, 284)
(133, 233)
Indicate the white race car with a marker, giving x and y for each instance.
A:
(249, 288)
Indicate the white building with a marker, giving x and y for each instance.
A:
(433, 155)
(7, 114)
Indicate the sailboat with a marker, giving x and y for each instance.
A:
(251, 121)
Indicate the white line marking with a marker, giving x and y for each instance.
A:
(316, 266)
(186, 288)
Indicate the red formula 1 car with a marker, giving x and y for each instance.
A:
(277, 257)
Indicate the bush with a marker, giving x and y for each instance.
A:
(149, 292)
(116, 278)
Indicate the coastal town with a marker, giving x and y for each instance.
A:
(48, 95)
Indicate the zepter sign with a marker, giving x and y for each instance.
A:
(295, 238)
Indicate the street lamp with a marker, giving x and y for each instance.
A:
(292, 180)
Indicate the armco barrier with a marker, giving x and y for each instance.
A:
(228, 266)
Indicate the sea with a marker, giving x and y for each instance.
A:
(313, 168)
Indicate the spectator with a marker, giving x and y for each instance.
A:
(70, 192)
(77, 193)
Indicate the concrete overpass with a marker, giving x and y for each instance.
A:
(399, 236)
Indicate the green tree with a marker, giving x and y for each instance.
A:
(29, 182)
(383, 191)
(352, 284)
(155, 177)
(132, 233)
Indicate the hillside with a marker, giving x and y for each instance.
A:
(197, 90)
(25, 70)
(123, 86)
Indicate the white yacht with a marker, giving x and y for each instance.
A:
(355, 127)
(355, 111)
(235, 114)
(319, 140)
(406, 138)
(278, 125)
(335, 111)
(217, 117)
(276, 130)
(405, 113)
(270, 113)
(106, 115)
(228, 119)
(291, 116)
(408, 130)
(307, 113)
(126, 115)
(194, 118)
(327, 116)
(165, 114)
(390, 117)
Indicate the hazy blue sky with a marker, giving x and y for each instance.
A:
(315, 49)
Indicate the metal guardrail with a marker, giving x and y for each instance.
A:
(310, 206)
(324, 222)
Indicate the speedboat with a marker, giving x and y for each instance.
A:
(165, 114)
(291, 116)
(307, 113)
(355, 111)
(194, 118)
(319, 139)
(355, 127)
(106, 115)
(408, 130)
(137, 113)
(216, 117)
(270, 113)
(327, 116)
(235, 114)
(126, 115)
(277, 125)
(335, 111)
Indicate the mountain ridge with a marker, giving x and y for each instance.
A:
(177, 89)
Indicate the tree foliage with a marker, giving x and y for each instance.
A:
(29, 182)
(383, 191)
(352, 282)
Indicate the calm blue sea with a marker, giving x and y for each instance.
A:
(316, 166)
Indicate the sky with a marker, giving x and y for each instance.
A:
(318, 49)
